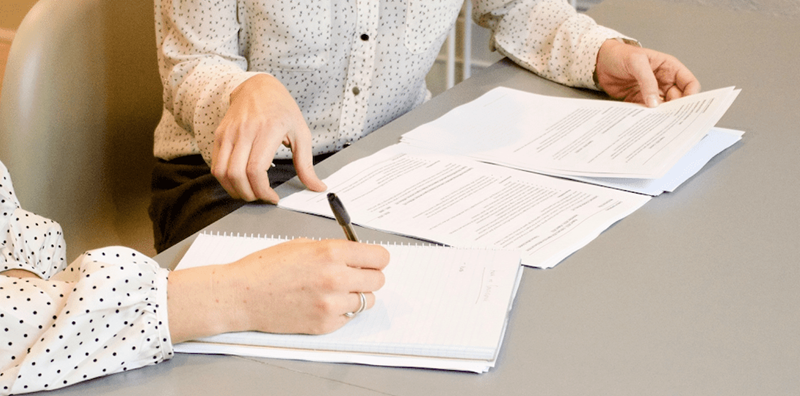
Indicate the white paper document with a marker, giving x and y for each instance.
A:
(440, 307)
(575, 137)
(461, 202)
(717, 140)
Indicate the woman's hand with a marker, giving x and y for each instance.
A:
(261, 117)
(299, 286)
(642, 75)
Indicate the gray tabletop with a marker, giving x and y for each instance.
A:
(695, 293)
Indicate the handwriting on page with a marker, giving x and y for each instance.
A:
(487, 286)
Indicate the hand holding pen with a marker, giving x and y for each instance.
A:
(344, 220)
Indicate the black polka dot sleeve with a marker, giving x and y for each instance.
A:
(27, 241)
(547, 37)
(106, 313)
(112, 319)
(32, 243)
(8, 201)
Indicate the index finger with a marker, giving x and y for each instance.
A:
(363, 255)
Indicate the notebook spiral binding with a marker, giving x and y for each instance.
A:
(289, 238)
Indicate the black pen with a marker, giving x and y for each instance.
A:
(342, 217)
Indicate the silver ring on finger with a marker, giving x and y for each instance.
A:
(360, 309)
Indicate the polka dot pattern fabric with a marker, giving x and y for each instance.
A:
(352, 66)
(103, 314)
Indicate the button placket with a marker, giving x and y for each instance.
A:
(359, 74)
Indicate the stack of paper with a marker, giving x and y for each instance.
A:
(476, 176)
(440, 308)
(615, 144)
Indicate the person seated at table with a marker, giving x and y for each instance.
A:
(256, 92)
(114, 309)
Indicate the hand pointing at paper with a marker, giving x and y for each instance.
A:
(642, 75)
(262, 116)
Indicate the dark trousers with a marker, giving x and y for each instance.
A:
(187, 197)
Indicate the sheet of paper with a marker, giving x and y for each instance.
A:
(575, 137)
(476, 366)
(717, 140)
(461, 297)
(465, 203)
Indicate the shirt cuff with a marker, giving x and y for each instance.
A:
(164, 339)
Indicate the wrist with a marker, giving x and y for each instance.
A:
(227, 296)
(253, 84)
(200, 304)
(602, 56)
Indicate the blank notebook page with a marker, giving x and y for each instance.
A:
(437, 301)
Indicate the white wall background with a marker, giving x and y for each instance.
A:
(481, 57)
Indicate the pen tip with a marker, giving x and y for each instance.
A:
(331, 196)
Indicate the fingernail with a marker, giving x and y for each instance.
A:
(651, 101)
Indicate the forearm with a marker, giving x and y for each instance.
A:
(297, 287)
(203, 302)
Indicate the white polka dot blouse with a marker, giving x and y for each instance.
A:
(104, 314)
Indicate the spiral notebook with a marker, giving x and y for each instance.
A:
(441, 307)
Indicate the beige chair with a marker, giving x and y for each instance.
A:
(81, 96)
